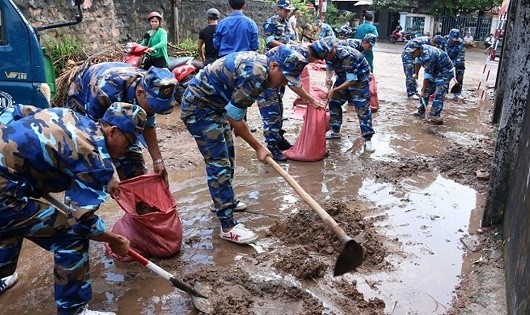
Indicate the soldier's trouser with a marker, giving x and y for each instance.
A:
(212, 133)
(439, 87)
(360, 98)
(271, 109)
(45, 226)
(408, 68)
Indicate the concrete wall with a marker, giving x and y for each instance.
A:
(108, 21)
(508, 201)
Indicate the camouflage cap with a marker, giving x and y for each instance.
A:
(370, 38)
(454, 34)
(323, 47)
(291, 63)
(128, 118)
(160, 85)
(438, 40)
(412, 45)
(285, 4)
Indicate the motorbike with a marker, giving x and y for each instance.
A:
(183, 68)
(398, 36)
(344, 32)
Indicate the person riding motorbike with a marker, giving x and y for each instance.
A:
(156, 40)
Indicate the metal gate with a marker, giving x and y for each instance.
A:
(478, 26)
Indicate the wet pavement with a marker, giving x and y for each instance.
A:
(424, 216)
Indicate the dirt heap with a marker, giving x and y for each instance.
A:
(306, 228)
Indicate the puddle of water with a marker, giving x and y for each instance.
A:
(428, 222)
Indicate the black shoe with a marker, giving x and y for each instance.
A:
(277, 154)
(283, 144)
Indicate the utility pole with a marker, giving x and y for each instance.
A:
(176, 29)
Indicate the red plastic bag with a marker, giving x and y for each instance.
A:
(157, 232)
(374, 100)
(311, 143)
(300, 104)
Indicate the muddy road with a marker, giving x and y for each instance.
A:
(415, 205)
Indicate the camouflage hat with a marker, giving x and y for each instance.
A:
(285, 4)
(159, 85)
(412, 45)
(438, 40)
(291, 63)
(370, 38)
(323, 46)
(128, 118)
(454, 34)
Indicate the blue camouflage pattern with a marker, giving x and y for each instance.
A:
(456, 51)
(276, 28)
(270, 102)
(48, 151)
(326, 31)
(350, 65)
(438, 70)
(237, 78)
(92, 93)
(408, 62)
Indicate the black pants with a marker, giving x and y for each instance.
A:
(159, 62)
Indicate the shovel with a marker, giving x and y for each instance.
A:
(352, 253)
(139, 258)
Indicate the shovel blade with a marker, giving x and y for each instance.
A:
(185, 287)
(350, 258)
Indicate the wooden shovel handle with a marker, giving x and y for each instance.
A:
(328, 220)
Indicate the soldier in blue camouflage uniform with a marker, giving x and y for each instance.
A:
(325, 30)
(277, 32)
(411, 69)
(271, 105)
(217, 99)
(455, 49)
(53, 150)
(100, 85)
(352, 84)
(438, 71)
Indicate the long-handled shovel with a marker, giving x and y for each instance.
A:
(352, 253)
(139, 258)
(164, 274)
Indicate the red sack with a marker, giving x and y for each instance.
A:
(157, 232)
(311, 143)
(374, 100)
(300, 104)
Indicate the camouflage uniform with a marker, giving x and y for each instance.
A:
(276, 28)
(95, 89)
(326, 31)
(271, 106)
(438, 70)
(46, 151)
(270, 102)
(226, 87)
(456, 51)
(408, 65)
(350, 65)
(237, 78)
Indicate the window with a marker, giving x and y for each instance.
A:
(3, 39)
